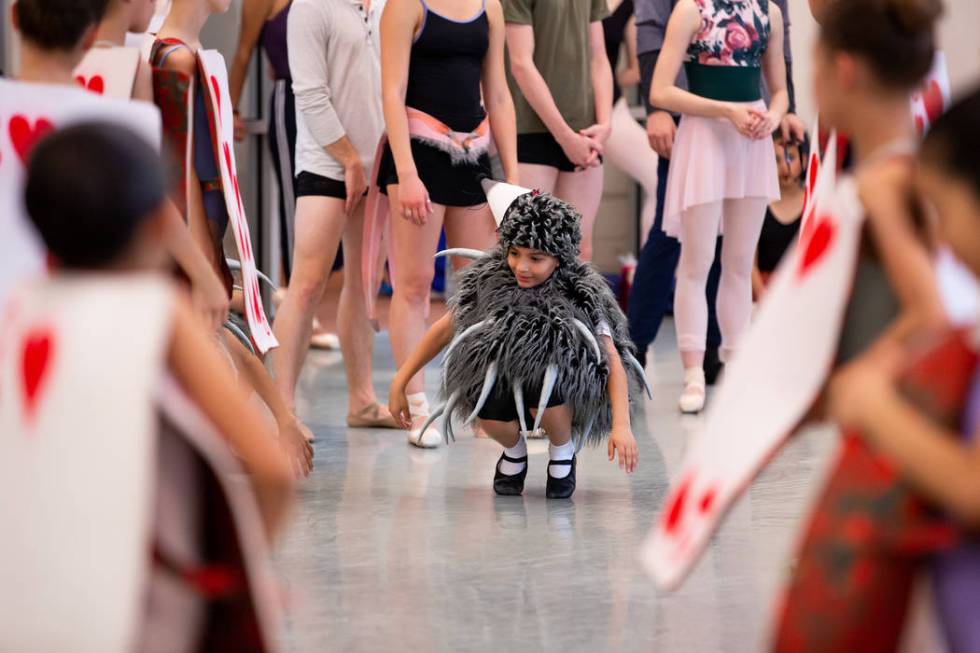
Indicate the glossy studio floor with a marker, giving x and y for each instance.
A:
(394, 548)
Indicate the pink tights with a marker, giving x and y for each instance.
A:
(699, 228)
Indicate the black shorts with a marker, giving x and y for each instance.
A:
(542, 149)
(501, 407)
(311, 184)
(448, 184)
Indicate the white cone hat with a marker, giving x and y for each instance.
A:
(500, 195)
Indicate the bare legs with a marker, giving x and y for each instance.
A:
(413, 249)
(582, 189)
(320, 224)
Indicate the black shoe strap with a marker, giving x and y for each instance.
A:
(522, 459)
(560, 462)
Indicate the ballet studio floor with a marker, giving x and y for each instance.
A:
(394, 548)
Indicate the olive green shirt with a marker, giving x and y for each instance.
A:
(561, 55)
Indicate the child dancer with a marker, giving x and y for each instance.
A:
(524, 335)
(781, 228)
(95, 194)
(722, 173)
(937, 459)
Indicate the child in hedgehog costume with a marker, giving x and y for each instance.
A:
(531, 321)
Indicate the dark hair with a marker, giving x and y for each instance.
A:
(57, 24)
(803, 147)
(953, 141)
(896, 37)
(89, 186)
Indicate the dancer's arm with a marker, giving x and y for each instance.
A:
(774, 68)
(630, 75)
(602, 90)
(520, 49)
(884, 191)
(434, 341)
(254, 15)
(863, 396)
(496, 94)
(399, 23)
(207, 292)
(255, 377)
(205, 378)
(684, 23)
(621, 437)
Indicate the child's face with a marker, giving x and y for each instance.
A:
(531, 267)
(788, 163)
(958, 209)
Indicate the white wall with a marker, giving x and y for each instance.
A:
(957, 37)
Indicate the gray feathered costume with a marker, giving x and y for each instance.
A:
(536, 337)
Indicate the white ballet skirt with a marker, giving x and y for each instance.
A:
(710, 162)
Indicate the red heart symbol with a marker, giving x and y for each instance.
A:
(817, 244)
(707, 501)
(217, 94)
(814, 170)
(234, 179)
(35, 366)
(932, 98)
(96, 84)
(672, 515)
(23, 135)
(256, 301)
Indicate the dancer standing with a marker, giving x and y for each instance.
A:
(653, 281)
(438, 59)
(334, 59)
(722, 174)
(562, 85)
(527, 323)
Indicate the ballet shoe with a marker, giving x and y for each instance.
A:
(561, 488)
(509, 485)
(693, 396)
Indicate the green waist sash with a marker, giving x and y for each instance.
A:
(725, 83)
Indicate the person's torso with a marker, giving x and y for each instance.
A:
(353, 65)
(562, 56)
(445, 68)
(732, 33)
(272, 39)
(775, 239)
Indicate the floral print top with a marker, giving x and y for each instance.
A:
(733, 33)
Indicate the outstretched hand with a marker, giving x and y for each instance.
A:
(622, 440)
(398, 406)
(293, 440)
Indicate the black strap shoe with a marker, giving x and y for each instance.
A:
(509, 486)
(561, 488)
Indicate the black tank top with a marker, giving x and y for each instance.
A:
(614, 28)
(445, 69)
(775, 239)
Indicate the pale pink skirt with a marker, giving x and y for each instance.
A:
(711, 162)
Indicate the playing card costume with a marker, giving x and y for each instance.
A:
(511, 340)
(191, 135)
(871, 534)
(130, 527)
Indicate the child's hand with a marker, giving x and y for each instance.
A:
(293, 441)
(857, 392)
(623, 440)
(398, 405)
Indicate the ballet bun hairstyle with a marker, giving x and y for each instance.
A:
(952, 143)
(895, 37)
(89, 188)
(57, 24)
